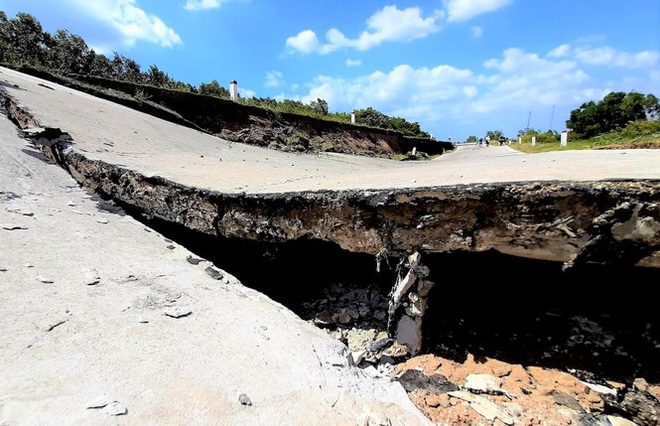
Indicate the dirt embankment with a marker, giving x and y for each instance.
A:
(253, 125)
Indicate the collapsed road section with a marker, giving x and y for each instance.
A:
(609, 223)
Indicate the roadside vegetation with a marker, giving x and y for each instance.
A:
(618, 121)
(23, 42)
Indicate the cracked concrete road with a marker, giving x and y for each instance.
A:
(89, 335)
(67, 343)
(119, 135)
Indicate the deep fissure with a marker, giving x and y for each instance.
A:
(488, 304)
(520, 310)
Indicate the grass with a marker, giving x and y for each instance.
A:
(643, 134)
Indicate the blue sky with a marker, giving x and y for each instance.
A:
(457, 67)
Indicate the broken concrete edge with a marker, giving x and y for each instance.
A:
(559, 221)
(569, 222)
(243, 123)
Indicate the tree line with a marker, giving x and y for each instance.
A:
(614, 112)
(24, 42)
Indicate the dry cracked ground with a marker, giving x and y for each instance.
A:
(154, 274)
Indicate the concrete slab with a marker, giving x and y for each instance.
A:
(122, 136)
(86, 294)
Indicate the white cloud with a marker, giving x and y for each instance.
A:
(202, 4)
(477, 31)
(499, 95)
(274, 79)
(464, 10)
(608, 56)
(305, 42)
(560, 51)
(353, 62)
(388, 24)
(132, 22)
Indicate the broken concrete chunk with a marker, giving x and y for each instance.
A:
(484, 407)
(214, 273)
(483, 383)
(409, 332)
(600, 388)
(103, 221)
(91, 277)
(178, 312)
(244, 399)
(115, 408)
(193, 260)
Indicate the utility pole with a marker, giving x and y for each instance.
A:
(529, 117)
(552, 116)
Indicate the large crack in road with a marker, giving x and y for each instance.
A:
(562, 269)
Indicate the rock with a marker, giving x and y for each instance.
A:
(177, 312)
(193, 260)
(102, 221)
(91, 277)
(360, 339)
(214, 273)
(484, 407)
(356, 357)
(594, 419)
(483, 383)
(414, 380)
(397, 350)
(409, 332)
(244, 399)
(45, 280)
(562, 398)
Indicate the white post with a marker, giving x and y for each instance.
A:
(352, 118)
(414, 150)
(519, 140)
(564, 138)
(533, 140)
(233, 90)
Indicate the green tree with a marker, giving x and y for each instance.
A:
(320, 106)
(156, 77)
(100, 65)
(614, 112)
(371, 117)
(67, 53)
(214, 89)
(4, 37)
(651, 107)
(494, 134)
(23, 39)
(471, 139)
